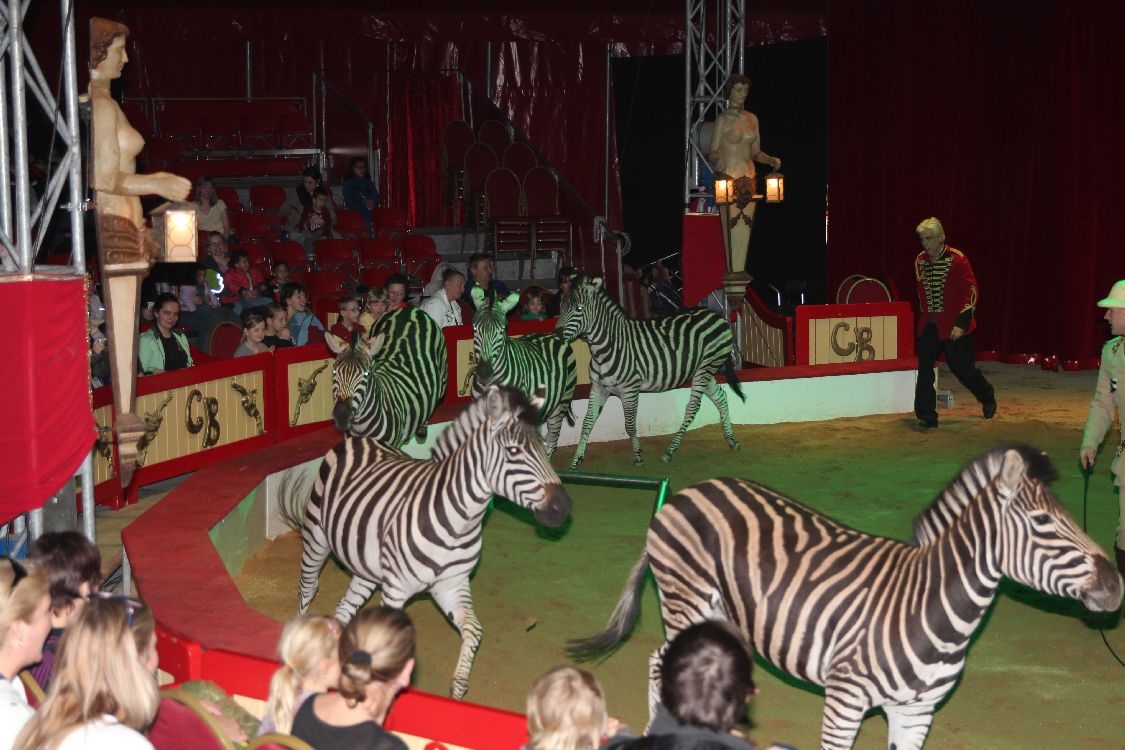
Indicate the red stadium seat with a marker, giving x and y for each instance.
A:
(259, 131)
(337, 254)
(379, 251)
(295, 131)
(254, 226)
(349, 223)
(291, 253)
(419, 250)
(327, 283)
(266, 197)
(520, 158)
(377, 276)
(389, 222)
(480, 160)
(225, 338)
(230, 197)
(496, 134)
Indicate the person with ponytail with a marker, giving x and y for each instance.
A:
(25, 620)
(310, 664)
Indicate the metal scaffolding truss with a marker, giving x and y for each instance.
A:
(714, 49)
(24, 220)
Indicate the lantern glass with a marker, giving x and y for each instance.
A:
(723, 187)
(775, 187)
(176, 228)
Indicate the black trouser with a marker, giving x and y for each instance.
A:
(959, 357)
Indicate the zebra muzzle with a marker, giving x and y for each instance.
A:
(342, 415)
(555, 508)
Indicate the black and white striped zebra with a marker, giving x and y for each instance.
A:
(877, 622)
(631, 357)
(537, 360)
(411, 526)
(387, 386)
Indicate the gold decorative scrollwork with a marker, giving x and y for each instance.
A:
(250, 404)
(861, 346)
(467, 386)
(210, 418)
(305, 389)
(153, 420)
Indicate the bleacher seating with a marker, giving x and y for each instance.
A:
(389, 222)
(349, 223)
(291, 253)
(337, 254)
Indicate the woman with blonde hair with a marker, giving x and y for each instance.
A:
(566, 711)
(211, 209)
(25, 620)
(101, 694)
(310, 664)
(376, 661)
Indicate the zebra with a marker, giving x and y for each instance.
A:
(876, 621)
(527, 362)
(412, 526)
(630, 357)
(387, 386)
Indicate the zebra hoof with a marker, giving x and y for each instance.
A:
(667, 457)
(575, 464)
(638, 461)
(735, 445)
(457, 690)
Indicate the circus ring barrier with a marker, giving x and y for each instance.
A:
(239, 424)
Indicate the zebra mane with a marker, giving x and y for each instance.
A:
(476, 413)
(583, 281)
(970, 482)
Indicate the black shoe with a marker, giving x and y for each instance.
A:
(929, 424)
(989, 408)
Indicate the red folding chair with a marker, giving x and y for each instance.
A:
(336, 254)
(295, 131)
(259, 132)
(291, 253)
(419, 250)
(377, 276)
(252, 227)
(267, 198)
(379, 251)
(229, 196)
(480, 160)
(511, 229)
(519, 158)
(257, 251)
(389, 222)
(220, 133)
(349, 223)
(496, 134)
(456, 138)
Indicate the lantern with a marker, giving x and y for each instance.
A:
(175, 227)
(724, 187)
(775, 187)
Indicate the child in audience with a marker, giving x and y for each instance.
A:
(25, 619)
(374, 305)
(533, 307)
(74, 566)
(253, 335)
(376, 661)
(303, 325)
(348, 323)
(277, 327)
(566, 709)
(241, 284)
(316, 221)
(396, 291)
(278, 281)
(310, 664)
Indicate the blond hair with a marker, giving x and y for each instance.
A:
(375, 647)
(305, 642)
(930, 226)
(566, 711)
(98, 672)
(19, 601)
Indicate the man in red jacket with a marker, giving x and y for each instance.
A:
(947, 301)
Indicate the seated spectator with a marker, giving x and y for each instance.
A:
(103, 692)
(304, 327)
(277, 326)
(25, 619)
(74, 566)
(481, 274)
(301, 198)
(309, 650)
(200, 309)
(253, 335)
(533, 307)
(162, 348)
(210, 208)
(566, 709)
(374, 305)
(279, 279)
(348, 323)
(397, 285)
(443, 306)
(316, 222)
(241, 285)
(566, 278)
(376, 662)
(218, 256)
(100, 371)
(360, 193)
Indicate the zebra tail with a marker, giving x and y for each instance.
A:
(620, 623)
(732, 380)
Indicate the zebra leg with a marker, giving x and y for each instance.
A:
(629, 405)
(456, 603)
(596, 402)
(908, 726)
(718, 397)
(689, 417)
(314, 551)
(844, 706)
(554, 427)
(359, 591)
(655, 659)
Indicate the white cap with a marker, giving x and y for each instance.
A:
(1116, 296)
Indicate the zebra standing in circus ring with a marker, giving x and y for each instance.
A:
(386, 386)
(631, 357)
(537, 360)
(413, 526)
(877, 622)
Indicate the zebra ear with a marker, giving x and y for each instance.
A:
(539, 398)
(477, 295)
(508, 302)
(597, 281)
(494, 402)
(1012, 472)
(375, 343)
(335, 343)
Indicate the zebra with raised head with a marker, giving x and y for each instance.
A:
(386, 386)
(411, 526)
(631, 357)
(876, 621)
(526, 362)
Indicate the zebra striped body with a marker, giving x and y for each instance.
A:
(538, 360)
(412, 526)
(877, 622)
(387, 387)
(631, 357)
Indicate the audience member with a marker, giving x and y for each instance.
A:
(241, 284)
(278, 280)
(200, 309)
(102, 694)
(309, 650)
(74, 567)
(481, 274)
(360, 193)
(533, 307)
(316, 222)
(374, 305)
(301, 198)
(25, 619)
(303, 325)
(161, 348)
(376, 661)
(253, 335)
(348, 323)
(218, 256)
(443, 306)
(277, 326)
(566, 710)
(210, 208)
(566, 278)
(397, 285)
(100, 371)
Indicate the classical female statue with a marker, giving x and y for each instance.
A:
(125, 245)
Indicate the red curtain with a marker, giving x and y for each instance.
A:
(1001, 119)
(48, 420)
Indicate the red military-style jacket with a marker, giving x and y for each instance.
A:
(947, 291)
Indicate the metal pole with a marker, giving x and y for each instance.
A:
(76, 207)
(86, 475)
(249, 70)
(19, 121)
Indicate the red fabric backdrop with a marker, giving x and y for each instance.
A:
(48, 421)
(1001, 119)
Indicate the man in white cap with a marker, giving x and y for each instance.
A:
(1108, 396)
